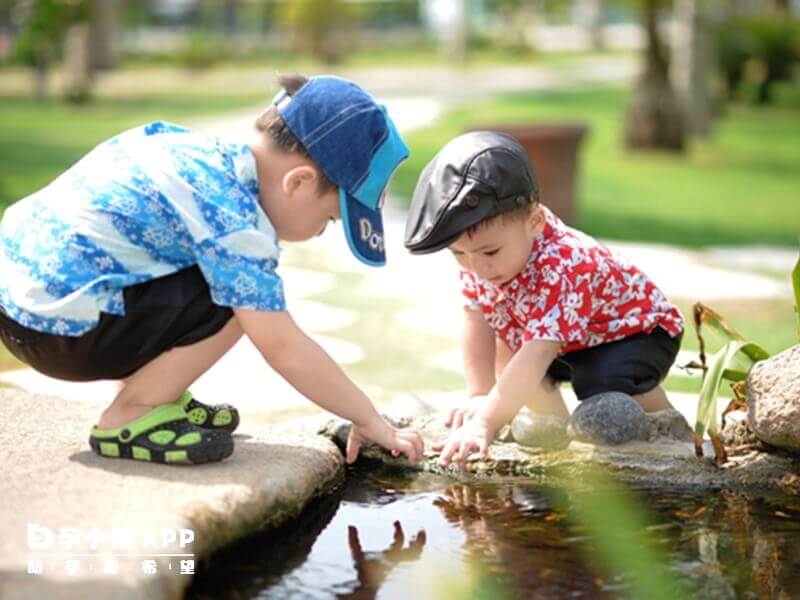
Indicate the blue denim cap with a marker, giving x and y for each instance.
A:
(354, 142)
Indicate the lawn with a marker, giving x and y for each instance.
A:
(38, 140)
(740, 186)
(770, 323)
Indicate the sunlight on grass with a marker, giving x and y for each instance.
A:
(39, 140)
(692, 200)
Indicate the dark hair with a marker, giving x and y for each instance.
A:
(518, 213)
(270, 123)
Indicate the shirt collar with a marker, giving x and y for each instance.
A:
(244, 166)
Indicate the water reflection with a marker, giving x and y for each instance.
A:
(516, 535)
(373, 567)
(744, 545)
(389, 536)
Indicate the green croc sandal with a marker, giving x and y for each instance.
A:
(163, 435)
(209, 416)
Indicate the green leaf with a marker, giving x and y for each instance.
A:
(714, 321)
(732, 362)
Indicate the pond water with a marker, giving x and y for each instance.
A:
(387, 535)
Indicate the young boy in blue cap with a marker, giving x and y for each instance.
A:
(545, 303)
(149, 258)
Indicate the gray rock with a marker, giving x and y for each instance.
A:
(668, 424)
(539, 431)
(409, 406)
(773, 400)
(666, 464)
(736, 431)
(337, 430)
(610, 418)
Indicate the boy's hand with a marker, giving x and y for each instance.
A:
(399, 441)
(474, 436)
(465, 410)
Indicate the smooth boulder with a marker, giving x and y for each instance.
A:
(610, 418)
(773, 400)
(539, 431)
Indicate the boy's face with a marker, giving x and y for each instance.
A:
(499, 250)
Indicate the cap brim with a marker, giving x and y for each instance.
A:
(363, 228)
(427, 247)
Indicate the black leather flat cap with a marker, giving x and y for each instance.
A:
(476, 176)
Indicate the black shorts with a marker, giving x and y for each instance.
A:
(633, 365)
(170, 311)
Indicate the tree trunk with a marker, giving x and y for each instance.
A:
(590, 14)
(782, 6)
(692, 65)
(457, 36)
(231, 16)
(76, 61)
(42, 78)
(655, 118)
(103, 34)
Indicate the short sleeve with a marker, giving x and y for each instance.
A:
(560, 307)
(239, 277)
(214, 191)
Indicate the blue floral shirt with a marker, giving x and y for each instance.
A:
(144, 204)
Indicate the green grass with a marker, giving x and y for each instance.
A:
(770, 323)
(7, 360)
(738, 187)
(39, 140)
(422, 54)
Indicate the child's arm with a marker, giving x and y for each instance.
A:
(478, 353)
(518, 383)
(309, 369)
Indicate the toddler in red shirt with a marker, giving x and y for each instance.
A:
(545, 303)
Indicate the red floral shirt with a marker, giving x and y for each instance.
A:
(572, 290)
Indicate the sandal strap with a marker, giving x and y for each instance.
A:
(185, 398)
(166, 413)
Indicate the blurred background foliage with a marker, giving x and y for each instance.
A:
(718, 87)
(699, 150)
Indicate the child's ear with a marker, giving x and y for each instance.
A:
(535, 222)
(298, 178)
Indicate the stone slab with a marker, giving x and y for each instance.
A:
(51, 478)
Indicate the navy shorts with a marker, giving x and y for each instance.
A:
(160, 314)
(633, 365)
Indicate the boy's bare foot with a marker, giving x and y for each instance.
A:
(119, 414)
(654, 400)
